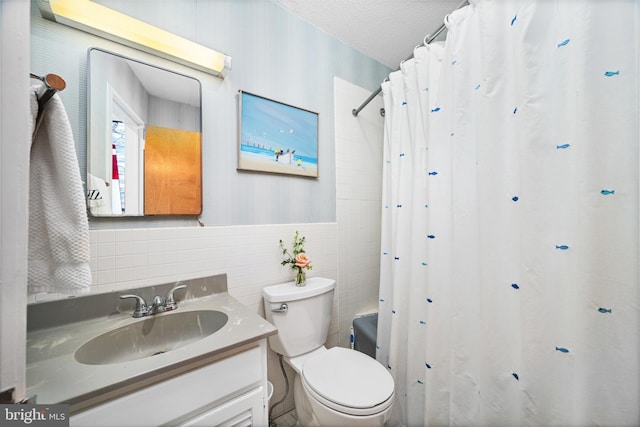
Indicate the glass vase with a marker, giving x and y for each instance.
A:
(301, 277)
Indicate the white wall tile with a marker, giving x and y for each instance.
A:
(249, 255)
(359, 180)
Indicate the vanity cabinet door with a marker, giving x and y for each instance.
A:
(246, 410)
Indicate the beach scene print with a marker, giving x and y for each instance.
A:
(276, 137)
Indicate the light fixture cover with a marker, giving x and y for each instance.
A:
(99, 20)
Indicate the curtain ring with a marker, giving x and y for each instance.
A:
(424, 40)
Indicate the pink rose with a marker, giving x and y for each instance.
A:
(302, 260)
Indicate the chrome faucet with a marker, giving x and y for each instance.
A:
(159, 304)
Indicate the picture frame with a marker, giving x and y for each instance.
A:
(275, 137)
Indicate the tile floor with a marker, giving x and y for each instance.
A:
(288, 419)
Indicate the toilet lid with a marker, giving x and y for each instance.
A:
(348, 378)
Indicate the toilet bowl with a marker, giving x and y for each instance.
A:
(340, 386)
(332, 387)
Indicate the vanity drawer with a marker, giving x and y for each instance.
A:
(183, 397)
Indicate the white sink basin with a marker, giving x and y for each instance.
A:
(150, 336)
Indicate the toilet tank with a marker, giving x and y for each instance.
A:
(301, 314)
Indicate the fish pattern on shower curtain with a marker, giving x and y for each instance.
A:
(509, 289)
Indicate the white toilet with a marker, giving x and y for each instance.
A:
(334, 387)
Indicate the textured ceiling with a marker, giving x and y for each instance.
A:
(385, 30)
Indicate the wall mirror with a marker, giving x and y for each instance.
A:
(144, 143)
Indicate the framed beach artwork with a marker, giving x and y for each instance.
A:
(275, 137)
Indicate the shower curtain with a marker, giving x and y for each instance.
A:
(509, 290)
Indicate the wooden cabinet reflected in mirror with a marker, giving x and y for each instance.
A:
(144, 144)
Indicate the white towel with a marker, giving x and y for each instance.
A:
(97, 192)
(58, 224)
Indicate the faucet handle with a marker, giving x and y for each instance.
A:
(170, 302)
(141, 309)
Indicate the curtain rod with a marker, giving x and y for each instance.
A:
(427, 40)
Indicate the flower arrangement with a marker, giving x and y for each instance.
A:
(298, 259)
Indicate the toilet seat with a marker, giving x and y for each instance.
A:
(348, 381)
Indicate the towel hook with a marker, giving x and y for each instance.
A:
(52, 83)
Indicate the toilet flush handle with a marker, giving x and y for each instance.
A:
(283, 309)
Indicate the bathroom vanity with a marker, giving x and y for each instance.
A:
(204, 363)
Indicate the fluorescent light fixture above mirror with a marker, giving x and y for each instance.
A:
(99, 20)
